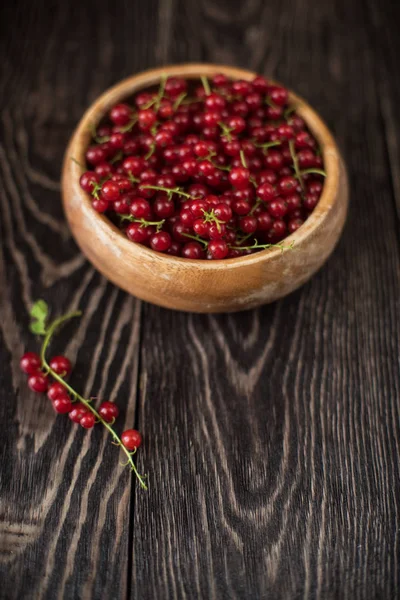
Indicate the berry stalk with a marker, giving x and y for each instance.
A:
(48, 334)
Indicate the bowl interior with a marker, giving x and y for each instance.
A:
(128, 87)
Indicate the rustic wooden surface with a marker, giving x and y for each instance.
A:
(271, 437)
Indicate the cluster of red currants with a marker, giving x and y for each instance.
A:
(63, 403)
(196, 170)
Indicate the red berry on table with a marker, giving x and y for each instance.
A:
(55, 390)
(61, 365)
(131, 439)
(78, 412)
(87, 421)
(62, 404)
(30, 363)
(108, 411)
(38, 382)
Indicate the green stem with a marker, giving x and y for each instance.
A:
(179, 100)
(197, 238)
(313, 172)
(168, 190)
(49, 334)
(206, 85)
(296, 164)
(257, 246)
(77, 162)
(243, 159)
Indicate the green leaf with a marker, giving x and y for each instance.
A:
(39, 310)
(38, 327)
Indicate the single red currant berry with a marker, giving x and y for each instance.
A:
(30, 363)
(253, 101)
(260, 84)
(179, 231)
(103, 170)
(237, 124)
(38, 382)
(146, 118)
(160, 241)
(293, 202)
(120, 114)
(314, 187)
(277, 208)
(285, 132)
(61, 365)
(310, 201)
(216, 231)
(174, 249)
(192, 250)
(121, 206)
(108, 411)
(306, 158)
(241, 207)
(77, 413)
(198, 208)
(200, 228)
(215, 102)
(88, 180)
(218, 249)
(266, 192)
(239, 177)
(274, 160)
(175, 86)
(55, 390)
(133, 165)
(187, 218)
(110, 191)
(100, 205)
(223, 212)
(137, 233)
(95, 155)
(264, 221)
(140, 209)
(163, 207)
(304, 140)
(163, 139)
(248, 224)
(279, 96)
(62, 404)
(117, 140)
(87, 421)
(287, 185)
(131, 439)
(294, 224)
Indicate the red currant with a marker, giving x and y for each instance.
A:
(108, 411)
(61, 365)
(30, 363)
(131, 439)
(38, 382)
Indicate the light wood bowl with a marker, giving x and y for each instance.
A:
(203, 285)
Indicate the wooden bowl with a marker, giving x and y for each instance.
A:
(203, 285)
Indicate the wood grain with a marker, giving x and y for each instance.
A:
(271, 437)
(275, 461)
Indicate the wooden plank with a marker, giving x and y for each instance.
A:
(272, 437)
(65, 508)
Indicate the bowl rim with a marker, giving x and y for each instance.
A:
(130, 85)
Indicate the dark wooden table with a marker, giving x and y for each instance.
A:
(271, 437)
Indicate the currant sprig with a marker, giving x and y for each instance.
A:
(62, 394)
